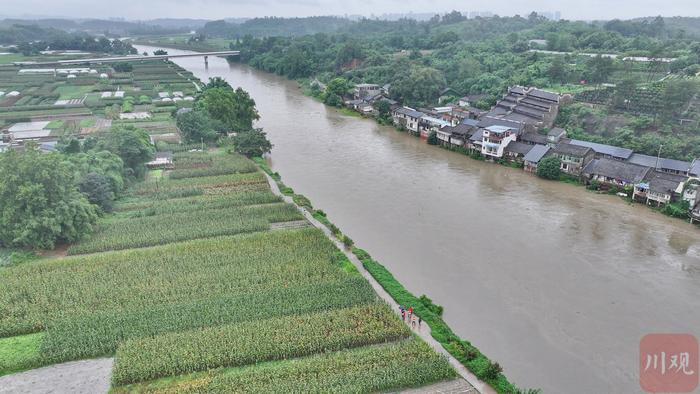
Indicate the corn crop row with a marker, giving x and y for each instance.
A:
(254, 342)
(378, 368)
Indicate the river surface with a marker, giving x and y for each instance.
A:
(555, 283)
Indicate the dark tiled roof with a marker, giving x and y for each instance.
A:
(537, 153)
(537, 103)
(618, 170)
(662, 182)
(571, 150)
(487, 121)
(517, 90)
(477, 136)
(543, 94)
(409, 112)
(470, 122)
(609, 150)
(461, 130)
(533, 138)
(666, 164)
(518, 147)
(529, 111)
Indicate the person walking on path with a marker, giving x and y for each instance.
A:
(403, 315)
(419, 321)
(413, 321)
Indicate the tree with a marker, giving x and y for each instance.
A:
(549, 168)
(132, 145)
(98, 190)
(160, 52)
(234, 109)
(432, 138)
(40, 204)
(217, 82)
(197, 126)
(384, 110)
(252, 143)
(338, 86)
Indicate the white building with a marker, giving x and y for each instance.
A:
(495, 139)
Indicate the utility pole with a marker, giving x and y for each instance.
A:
(658, 157)
(202, 139)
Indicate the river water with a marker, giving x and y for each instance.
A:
(555, 283)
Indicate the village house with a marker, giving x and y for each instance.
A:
(475, 141)
(661, 164)
(516, 150)
(534, 108)
(429, 124)
(659, 187)
(573, 157)
(407, 118)
(533, 138)
(534, 156)
(456, 136)
(615, 172)
(605, 151)
(363, 90)
(555, 135)
(471, 100)
(495, 139)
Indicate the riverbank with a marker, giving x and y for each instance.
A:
(472, 365)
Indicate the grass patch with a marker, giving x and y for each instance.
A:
(20, 353)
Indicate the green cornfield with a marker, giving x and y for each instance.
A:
(152, 207)
(128, 233)
(33, 294)
(380, 368)
(255, 342)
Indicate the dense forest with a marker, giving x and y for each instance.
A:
(650, 100)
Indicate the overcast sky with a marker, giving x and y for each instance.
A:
(218, 9)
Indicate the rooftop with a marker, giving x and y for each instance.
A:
(571, 150)
(410, 112)
(618, 170)
(533, 138)
(519, 148)
(663, 182)
(663, 163)
(461, 130)
(498, 129)
(537, 153)
(609, 150)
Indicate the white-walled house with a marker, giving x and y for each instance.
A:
(495, 139)
(408, 118)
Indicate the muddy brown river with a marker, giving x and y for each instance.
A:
(555, 283)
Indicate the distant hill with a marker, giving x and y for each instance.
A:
(282, 27)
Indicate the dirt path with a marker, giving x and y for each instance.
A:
(423, 332)
(75, 377)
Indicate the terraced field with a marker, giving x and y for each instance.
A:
(190, 292)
